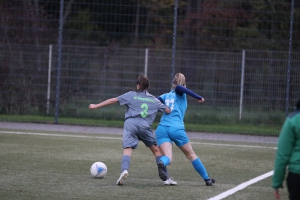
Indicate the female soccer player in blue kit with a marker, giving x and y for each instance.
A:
(142, 108)
(171, 129)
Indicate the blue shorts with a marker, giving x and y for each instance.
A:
(171, 134)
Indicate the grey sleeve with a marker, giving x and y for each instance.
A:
(161, 106)
(123, 99)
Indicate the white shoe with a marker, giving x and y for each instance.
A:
(122, 178)
(169, 181)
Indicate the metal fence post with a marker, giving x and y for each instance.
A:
(60, 32)
(289, 61)
(174, 39)
(49, 78)
(242, 84)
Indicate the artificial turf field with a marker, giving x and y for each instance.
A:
(55, 165)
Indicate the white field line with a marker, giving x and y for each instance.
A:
(60, 135)
(233, 145)
(119, 138)
(241, 186)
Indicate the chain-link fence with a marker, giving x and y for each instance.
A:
(233, 53)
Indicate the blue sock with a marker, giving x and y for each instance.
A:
(199, 167)
(125, 163)
(165, 160)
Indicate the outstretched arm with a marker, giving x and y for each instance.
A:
(104, 103)
(180, 90)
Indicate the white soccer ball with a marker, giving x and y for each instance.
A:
(98, 170)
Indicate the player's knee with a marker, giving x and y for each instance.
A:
(155, 150)
(191, 157)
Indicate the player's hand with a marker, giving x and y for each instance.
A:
(201, 100)
(92, 106)
(276, 194)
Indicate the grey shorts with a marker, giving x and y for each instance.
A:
(135, 130)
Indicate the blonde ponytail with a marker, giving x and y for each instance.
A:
(179, 79)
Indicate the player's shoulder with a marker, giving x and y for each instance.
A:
(180, 96)
(172, 92)
(294, 114)
(293, 119)
(129, 93)
(126, 95)
(149, 95)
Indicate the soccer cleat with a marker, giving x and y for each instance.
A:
(169, 181)
(161, 172)
(122, 178)
(210, 182)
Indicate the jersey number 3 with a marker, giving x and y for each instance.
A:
(144, 113)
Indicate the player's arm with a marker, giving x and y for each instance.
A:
(180, 90)
(161, 100)
(104, 103)
(285, 146)
(167, 109)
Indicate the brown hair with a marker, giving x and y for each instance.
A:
(143, 82)
(179, 79)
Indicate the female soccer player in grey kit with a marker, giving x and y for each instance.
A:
(171, 129)
(142, 108)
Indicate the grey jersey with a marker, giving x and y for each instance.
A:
(141, 104)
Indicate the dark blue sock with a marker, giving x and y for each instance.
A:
(157, 158)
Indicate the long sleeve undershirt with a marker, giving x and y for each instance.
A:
(180, 90)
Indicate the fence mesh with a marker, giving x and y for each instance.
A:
(107, 44)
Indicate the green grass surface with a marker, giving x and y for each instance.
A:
(53, 165)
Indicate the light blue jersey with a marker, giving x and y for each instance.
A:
(176, 117)
(171, 127)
